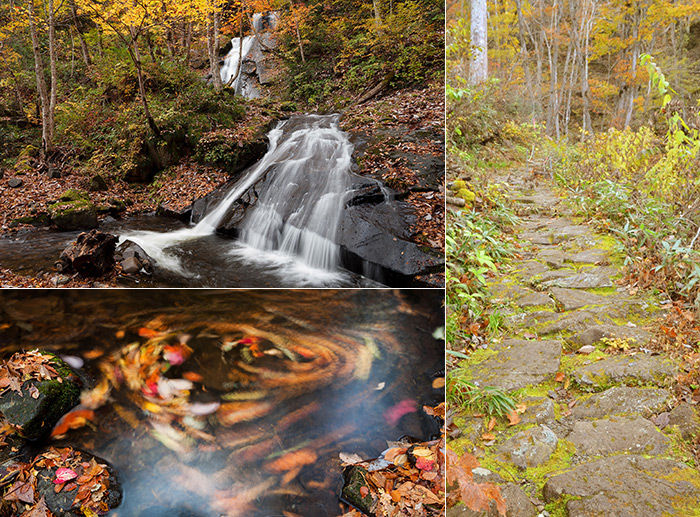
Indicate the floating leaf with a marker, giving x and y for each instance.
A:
(65, 474)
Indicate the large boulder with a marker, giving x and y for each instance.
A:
(73, 211)
(91, 255)
(38, 389)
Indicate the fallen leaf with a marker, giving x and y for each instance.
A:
(487, 437)
(513, 418)
(492, 424)
(559, 377)
(65, 474)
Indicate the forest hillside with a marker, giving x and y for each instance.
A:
(573, 252)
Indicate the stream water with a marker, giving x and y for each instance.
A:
(328, 371)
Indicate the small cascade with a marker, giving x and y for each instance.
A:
(303, 182)
(233, 66)
(299, 211)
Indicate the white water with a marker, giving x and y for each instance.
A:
(233, 60)
(293, 224)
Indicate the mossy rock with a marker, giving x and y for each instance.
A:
(35, 417)
(35, 220)
(73, 211)
(97, 184)
(355, 480)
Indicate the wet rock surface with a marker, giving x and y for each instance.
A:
(91, 255)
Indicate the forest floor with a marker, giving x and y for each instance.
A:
(403, 111)
(601, 427)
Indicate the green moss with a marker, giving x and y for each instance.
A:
(74, 195)
(558, 508)
(478, 356)
(685, 505)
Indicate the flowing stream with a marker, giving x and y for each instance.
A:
(330, 372)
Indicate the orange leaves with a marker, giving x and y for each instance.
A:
(513, 418)
(292, 460)
(475, 496)
(559, 377)
(73, 420)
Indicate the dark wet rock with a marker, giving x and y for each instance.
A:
(355, 478)
(534, 299)
(627, 486)
(685, 417)
(35, 417)
(73, 211)
(90, 255)
(571, 299)
(540, 410)
(15, 182)
(595, 278)
(529, 448)
(600, 331)
(40, 219)
(97, 184)
(618, 434)
(630, 370)
(61, 503)
(623, 400)
(133, 258)
(518, 364)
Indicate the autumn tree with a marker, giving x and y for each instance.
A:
(478, 70)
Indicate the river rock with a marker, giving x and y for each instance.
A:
(355, 479)
(73, 211)
(133, 258)
(614, 435)
(42, 402)
(92, 254)
(627, 486)
(631, 370)
(15, 182)
(108, 489)
(529, 448)
(518, 364)
(623, 400)
(97, 184)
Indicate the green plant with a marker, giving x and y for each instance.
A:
(467, 395)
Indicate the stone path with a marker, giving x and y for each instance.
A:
(587, 445)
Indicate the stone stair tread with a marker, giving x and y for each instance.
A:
(595, 333)
(627, 486)
(618, 434)
(638, 369)
(620, 400)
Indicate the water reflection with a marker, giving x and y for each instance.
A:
(239, 402)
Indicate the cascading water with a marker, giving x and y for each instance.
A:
(299, 212)
(233, 64)
(305, 175)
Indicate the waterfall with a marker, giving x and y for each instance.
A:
(232, 63)
(303, 182)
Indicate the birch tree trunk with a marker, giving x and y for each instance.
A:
(478, 70)
(48, 99)
(213, 49)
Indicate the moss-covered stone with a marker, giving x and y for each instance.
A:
(355, 480)
(73, 211)
(35, 417)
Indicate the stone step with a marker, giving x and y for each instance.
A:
(631, 370)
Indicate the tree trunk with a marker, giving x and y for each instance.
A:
(524, 55)
(83, 44)
(296, 26)
(42, 89)
(213, 49)
(377, 14)
(478, 71)
(135, 54)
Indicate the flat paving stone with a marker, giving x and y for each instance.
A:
(572, 299)
(540, 410)
(592, 256)
(534, 299)
(623, 400)
(600, 331)
(553, 258)
(628, 486)
(618, 434)
(530, 447)
(592, 279)
(518, 363)
(638, 369)
(570, 322)
(569, 232)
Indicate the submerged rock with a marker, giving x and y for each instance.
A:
(355, 481)
(92, 254)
